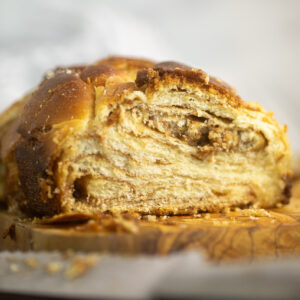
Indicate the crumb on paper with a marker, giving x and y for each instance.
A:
(11, 259)
(80, 265)
(68, 253)
(14, 268)
(31, 262)
(71, 266)
(53, 267)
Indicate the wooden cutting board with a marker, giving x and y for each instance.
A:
(221, 237)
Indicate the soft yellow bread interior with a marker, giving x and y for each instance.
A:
(173, 151)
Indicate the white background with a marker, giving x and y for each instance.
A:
(253, 45)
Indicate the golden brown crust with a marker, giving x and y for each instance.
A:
(10, 139)
(125, 63)
(97, 75)
(61, 98)
(33, 159)
(183, 74)
(67, 98)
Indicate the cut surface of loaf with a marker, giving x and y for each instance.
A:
(129, 135)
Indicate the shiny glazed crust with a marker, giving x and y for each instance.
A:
(129, 135)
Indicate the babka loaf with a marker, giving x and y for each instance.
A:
(129, 135)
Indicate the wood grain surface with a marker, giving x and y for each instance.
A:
(221, 237)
